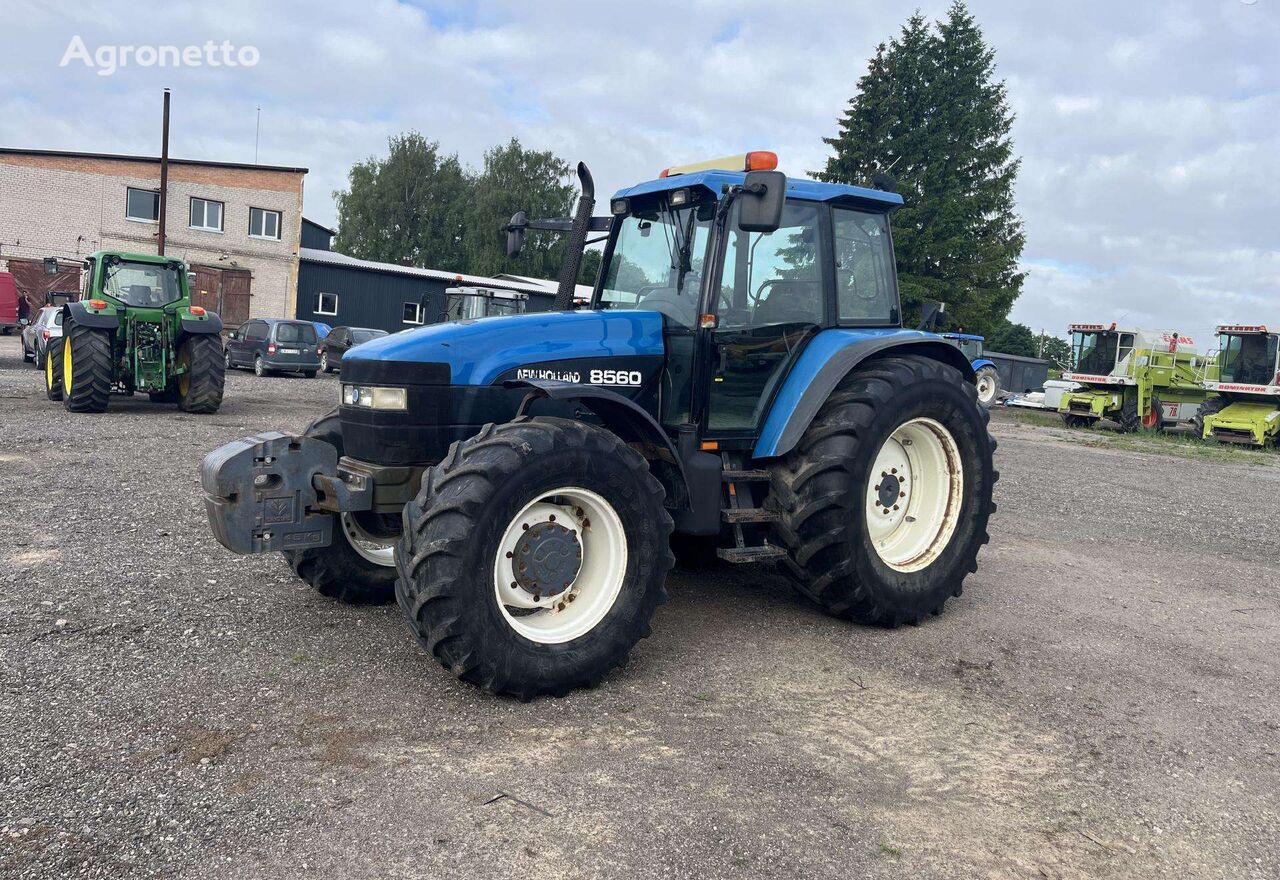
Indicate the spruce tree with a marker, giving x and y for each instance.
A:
(930, 111)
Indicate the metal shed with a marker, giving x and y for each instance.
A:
(343, 291)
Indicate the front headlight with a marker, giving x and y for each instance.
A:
(374, 397)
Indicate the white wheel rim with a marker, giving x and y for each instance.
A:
(986, 388)
(914, 494)
(379, 551)
(574, 610)
(324, 360)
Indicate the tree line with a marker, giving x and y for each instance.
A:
(929, 114)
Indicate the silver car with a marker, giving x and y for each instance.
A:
(36, 335)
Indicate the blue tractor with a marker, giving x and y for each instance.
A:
(741, 377)
(986, 374)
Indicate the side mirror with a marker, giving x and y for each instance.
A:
(515, 233)
(763, 194)
(233, 335)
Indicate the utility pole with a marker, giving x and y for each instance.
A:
(164, 174)
(257, 127)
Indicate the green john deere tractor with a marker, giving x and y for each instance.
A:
(134, 329)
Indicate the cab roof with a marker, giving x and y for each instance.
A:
(134, 258)
(797, 187)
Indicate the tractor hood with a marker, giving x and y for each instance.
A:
(480, 351)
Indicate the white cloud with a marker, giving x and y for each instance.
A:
(1148, 130)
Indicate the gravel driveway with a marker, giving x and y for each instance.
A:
(1103, 700)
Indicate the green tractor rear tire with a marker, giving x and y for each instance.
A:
(87, 368)
(53, 370)
(358, 566)
(884, 502)
(534, 556)
(200, 387)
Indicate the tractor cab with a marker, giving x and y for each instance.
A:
(968, 343)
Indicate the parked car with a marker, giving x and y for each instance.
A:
(322, 329)
(36, 335)
(274, 345)
(8, 303)
(342, 339)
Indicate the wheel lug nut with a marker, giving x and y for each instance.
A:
(552, 518)
(510, 554)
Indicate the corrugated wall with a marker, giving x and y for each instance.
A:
(376, 299)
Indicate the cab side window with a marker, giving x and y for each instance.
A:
(866, 289)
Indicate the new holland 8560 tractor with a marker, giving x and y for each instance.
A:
(1245, 408)
(1139, 379)
(741, 374)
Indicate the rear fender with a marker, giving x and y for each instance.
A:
(81, 314)
(626, 419)
(194, 325)
(831, 356)
(982, 362)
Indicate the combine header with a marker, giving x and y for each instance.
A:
(1140, 379)
(1245, 408)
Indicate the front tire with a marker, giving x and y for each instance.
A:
(534, 556)
(358, 566)
(258, 368)
(324, 362)
(987, 382)
(200, 386)
(86, 368)
(1211, 406)
(885, 500)
(1071, 420)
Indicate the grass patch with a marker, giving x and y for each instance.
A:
(887, 850)
(1176, 443)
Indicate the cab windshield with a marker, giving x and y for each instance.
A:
(657, 261)
(1248, 360)
(1094, 352)
(142, 284)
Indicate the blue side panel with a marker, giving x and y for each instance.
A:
(479, 351)
(821, 351)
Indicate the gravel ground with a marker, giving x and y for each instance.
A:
(1101, 702)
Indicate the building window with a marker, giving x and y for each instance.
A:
(206, 215)
(264, 224)
(326, 304)
(413, 313)
(142, 205)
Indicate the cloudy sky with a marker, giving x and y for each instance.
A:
(1149, 131)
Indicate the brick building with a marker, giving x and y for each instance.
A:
(239, 227)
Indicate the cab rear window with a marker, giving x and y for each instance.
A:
(304, 333)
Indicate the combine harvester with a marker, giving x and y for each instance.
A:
(1140, 379)
(1246, 407)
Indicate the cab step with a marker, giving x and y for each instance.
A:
(762, 553)
(749, 515)
(752, 475)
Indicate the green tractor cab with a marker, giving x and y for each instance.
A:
(1245, 406)
(1139, 379)
(134, 329)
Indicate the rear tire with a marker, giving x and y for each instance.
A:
(258, 368)
(53, 370)
(347, 571)
(325, 366)
(987, 382)
(86, 368)
(594, 578)
(200, 387)
(1211, 406)
(845, 552)
(1071, 420)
